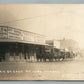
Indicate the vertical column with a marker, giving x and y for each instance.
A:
(25, 50)
(35, 54)
(31, 54)
(28, 54)
(19, 51)
(19, 55)
(22, 53)
(7, 55)
(14, 53)
(33, 51)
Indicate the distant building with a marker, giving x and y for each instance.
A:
(65, 44)
(69, 44)
(54, 43)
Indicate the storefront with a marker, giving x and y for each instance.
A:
(16, 46)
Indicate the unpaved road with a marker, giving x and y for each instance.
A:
(63, 70)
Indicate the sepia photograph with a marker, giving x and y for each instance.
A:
(41, 42)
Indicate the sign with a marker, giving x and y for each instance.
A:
(14, 34)
(3, 32)
(17, 34)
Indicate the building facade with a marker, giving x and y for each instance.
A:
(19, 45)
(54, 43)
(66, 45)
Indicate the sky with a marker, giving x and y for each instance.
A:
(56, 21)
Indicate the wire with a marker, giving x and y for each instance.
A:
(29, 18)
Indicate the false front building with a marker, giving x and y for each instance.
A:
(19, 45)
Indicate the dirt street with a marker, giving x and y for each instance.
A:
(62, 70)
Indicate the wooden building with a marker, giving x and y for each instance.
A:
(19, 45)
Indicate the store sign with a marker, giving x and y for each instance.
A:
(2, 36)
(3, 32)
(16, 34)
(3, 29)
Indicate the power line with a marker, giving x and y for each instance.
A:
(30, 18)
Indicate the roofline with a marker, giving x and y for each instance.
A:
(23, 30)
(15, 41)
